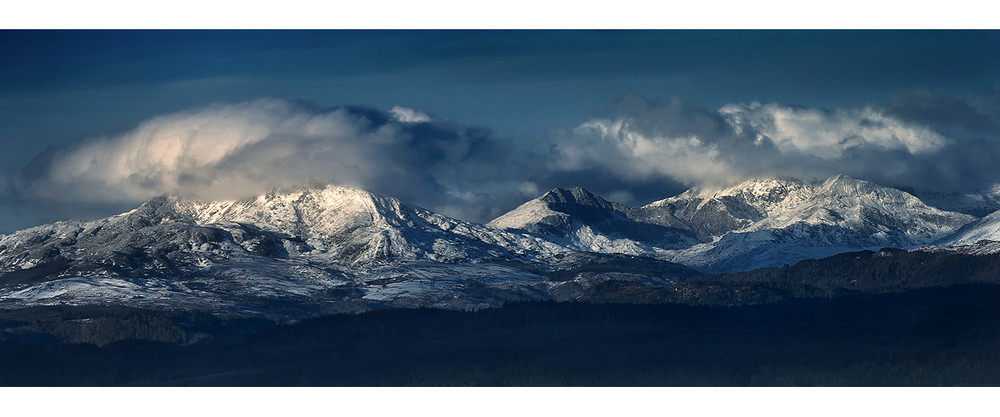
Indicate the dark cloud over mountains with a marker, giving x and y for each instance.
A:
(897, 144)
(638, 151)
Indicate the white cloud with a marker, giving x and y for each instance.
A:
(221, 150)
(686, 142)
(237, 150)
(641, 153)
(827, 134)
(408, 115)
(617, 145)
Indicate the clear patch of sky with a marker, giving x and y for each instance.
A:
(43, 60)
(801, 67)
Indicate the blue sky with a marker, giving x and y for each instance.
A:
(527, 90)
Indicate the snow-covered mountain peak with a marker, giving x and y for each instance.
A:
(759, 221)
(157, 210)
(764, 195)
(575, 195)
(845, 185)
(311, 210)
(755, 187)
(767, 194)
(758, 199)
(530, 213)
(866, 209)
(323, 237)
(581, 220)
(346, 223)
(332, 225)
(712, 213)
(760, 187)
(555, 209)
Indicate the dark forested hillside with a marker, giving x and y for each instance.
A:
(937, 336)
(888, 270)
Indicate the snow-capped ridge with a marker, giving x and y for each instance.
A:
(329, 243)
(358, 226)
(575, 195)
(759, 222)
(581, 220)
(553, 211)
(327, 248)
(984, 229)
(775, 221)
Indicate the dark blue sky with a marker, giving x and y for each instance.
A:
(61, 87)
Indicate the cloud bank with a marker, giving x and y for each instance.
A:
(238, 150)
(639, 151)
(687, 142)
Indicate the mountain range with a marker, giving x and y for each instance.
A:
(288, 255)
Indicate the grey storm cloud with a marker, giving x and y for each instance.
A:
(679, 140)
(979, 115)
(639, 151)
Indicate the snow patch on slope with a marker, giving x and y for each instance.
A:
(527, 215)
(979, 237)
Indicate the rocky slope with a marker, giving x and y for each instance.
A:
(578, 219)
(758, 223)
(308, 251)
(821, 219)
(317, 250)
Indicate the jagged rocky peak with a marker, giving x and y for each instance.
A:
(846, 185)
(554, 211)
(534, 216)
(324, 237)
(762, 193)
(345, 222)
(768, 203)
(581, 220)
(340, 225)
(859, 205)
(768, 190)
(309, 210)
(711, 213)
(157, 210)
(357, 226)
(769, 193)
(575, 195)
(877, 202)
